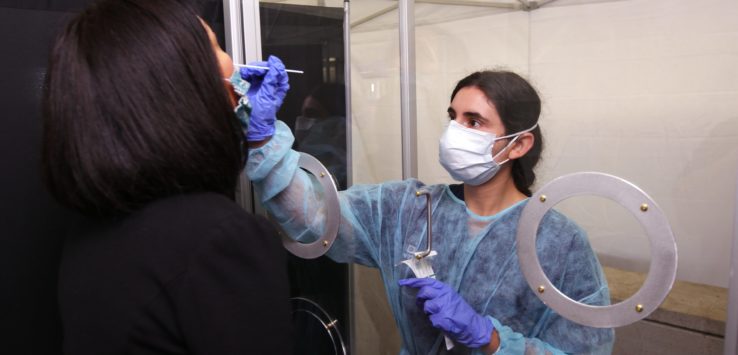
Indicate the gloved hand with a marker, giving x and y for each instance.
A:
(266, 93)
(450, 313)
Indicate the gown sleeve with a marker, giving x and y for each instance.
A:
(294, 199)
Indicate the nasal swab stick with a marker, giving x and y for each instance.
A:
(267, 68)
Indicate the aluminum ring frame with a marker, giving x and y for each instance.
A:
(331, 209)
(662, 270)
(330, 324)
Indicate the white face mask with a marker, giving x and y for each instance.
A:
(467, 153)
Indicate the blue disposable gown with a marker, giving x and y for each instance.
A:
(381, 225)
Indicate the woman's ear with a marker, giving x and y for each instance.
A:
(522, 145)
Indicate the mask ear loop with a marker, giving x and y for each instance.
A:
(503, 149)
(516, 135)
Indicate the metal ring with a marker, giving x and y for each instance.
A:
(662, 270)
(317, 313)
(331, 209)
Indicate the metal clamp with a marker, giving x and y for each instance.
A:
(662, 270)
(331, 209)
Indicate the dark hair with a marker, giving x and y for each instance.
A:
(519, 106)
(135, 109)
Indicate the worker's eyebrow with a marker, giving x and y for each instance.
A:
(470, 115)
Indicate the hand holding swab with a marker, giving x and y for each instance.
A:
(267, 68)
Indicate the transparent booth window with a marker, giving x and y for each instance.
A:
(644, 90)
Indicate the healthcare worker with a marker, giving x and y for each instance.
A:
(479, 297)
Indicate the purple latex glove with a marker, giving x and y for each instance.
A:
(266, 93)
(449, 312)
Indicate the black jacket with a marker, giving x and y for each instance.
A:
(191, 274)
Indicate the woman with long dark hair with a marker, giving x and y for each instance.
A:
(479, 297)
(141, 137)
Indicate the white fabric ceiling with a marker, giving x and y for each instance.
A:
(371, 15)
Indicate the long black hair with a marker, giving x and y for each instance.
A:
(519, 107)
(135, 109)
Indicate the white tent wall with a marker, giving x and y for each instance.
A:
(646, 90)
(375, 75)
(643, 89)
